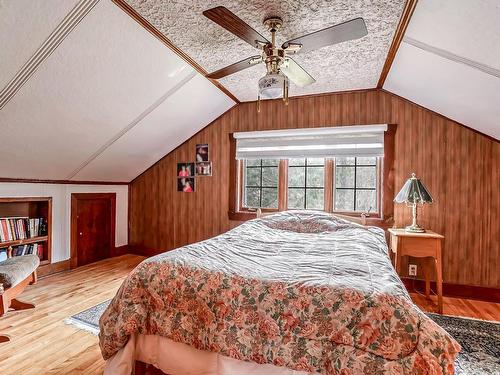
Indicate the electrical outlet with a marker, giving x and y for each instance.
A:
(412, 270)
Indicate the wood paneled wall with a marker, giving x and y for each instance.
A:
(460, 167)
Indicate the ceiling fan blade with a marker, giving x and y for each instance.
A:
(232, 23)
(342, 32)
(296, 73)
(236, 67)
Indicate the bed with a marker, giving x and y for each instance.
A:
(290, 293)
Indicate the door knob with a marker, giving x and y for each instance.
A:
(81, 233)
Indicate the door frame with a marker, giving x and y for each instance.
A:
(75, 197)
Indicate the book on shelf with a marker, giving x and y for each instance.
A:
(26, 249)
(21, 228)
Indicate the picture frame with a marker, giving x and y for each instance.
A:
(203, 168)
(185, 170)
(186, 184)
(202, 152)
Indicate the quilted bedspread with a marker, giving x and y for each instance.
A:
(304, 290)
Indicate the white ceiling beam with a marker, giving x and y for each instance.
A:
(65, 27)
(134, 122)
(452, 57)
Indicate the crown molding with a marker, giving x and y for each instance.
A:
(65, 27)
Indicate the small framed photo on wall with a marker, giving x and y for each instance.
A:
(185, 169)
(202, 152)
(185, 184)
(204, 168)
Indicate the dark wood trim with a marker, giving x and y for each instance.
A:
(162, 38)
(52, 268)
(440, 115)
(75, 197)
(143, 250)
(387, 190)
(233, 173)
(396, 41)
(310, 96)
(474, 292)
(119, 250)
(62, 182)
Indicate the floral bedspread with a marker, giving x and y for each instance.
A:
(303, 290)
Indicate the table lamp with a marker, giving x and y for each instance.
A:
(413, 193)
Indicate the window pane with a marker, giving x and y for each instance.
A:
(252, 197)
(252, 162)
(270, 162)
(366, 200)
(296, 177)
(315, 161)
(366, 161)
(366, 177)
(315, 199)
(315, 176)
(344, 200)
(252, 177)
(344, 177)
(269, 176)
(344, 161)
(296, 161)
(270, 198)
(296, 198)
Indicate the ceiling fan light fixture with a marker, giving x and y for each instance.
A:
(271, 86)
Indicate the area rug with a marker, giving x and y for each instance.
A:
(480, 339)
(88, 320)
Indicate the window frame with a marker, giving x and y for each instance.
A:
(378, 188)
(385, 182)
(242, 186)
(305, 187)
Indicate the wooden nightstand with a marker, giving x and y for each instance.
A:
(420, 245)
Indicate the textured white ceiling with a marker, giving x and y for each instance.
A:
(24, 25)
(350, 65)
(450, 62)
(196, 104)
(105, 75)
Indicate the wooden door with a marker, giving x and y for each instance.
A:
(93, 227)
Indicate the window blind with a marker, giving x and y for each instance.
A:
(341, 141)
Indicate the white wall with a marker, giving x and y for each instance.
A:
(61, 209)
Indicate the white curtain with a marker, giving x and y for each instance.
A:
(340, 141)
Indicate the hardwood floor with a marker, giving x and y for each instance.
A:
(41, 343)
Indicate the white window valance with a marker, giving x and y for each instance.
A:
(340, 141)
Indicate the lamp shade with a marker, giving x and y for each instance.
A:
(413, 191)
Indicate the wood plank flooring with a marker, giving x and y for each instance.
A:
(41, 343)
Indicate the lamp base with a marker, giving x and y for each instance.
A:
(414, 229)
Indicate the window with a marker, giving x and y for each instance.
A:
(339, 169)
(356, 184)
(260, 183)
(306, 183)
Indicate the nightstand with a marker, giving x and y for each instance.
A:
(420, 245)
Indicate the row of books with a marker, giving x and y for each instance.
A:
(21, 228)
(34, 248)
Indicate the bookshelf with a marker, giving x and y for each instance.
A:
(31, 208)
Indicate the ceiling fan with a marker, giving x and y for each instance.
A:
(280, 66)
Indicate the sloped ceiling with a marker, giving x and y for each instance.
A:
(351, 65)
(104, 105)
(449, 62)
